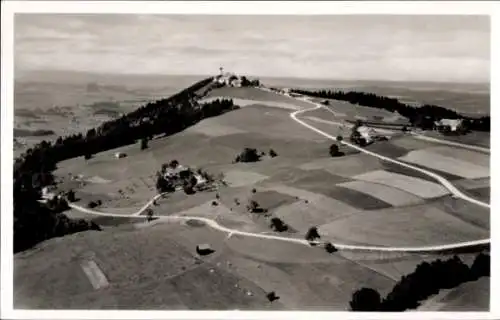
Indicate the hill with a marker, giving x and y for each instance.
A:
(354, 199)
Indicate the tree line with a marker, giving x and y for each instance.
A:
(35, 222)
(426, 280)
(422, 116)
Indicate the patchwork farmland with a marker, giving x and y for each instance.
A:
(354, 200)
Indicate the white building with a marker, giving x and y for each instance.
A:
(119, 155)
(453, 124)
(367, 133)
(48, 193)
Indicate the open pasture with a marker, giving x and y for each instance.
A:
(301, 215)
(393, 196)
(449, 164)
(411, 143)
(272, 122)
(398, 169)
(466, 211)
(419, 225)
(270, 199)
(355, 112)
(386, 148)
(329, 285)
(325, 114)
(256, 95)
(247, 102)
(473, 183)
(300, 178)
(465, 155)
(346, 166)
(476, 138)
(351, 197)
(238, 178)
(214, 129)
(483, 194)
(469, 296)
(396, 265)
(418, 187)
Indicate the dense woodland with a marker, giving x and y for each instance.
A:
(427, 279)
(422, 116)
(34, 221)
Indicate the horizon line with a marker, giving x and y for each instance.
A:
(250, 76)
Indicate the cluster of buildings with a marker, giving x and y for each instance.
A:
(367, 133)
(177, 174)
(228, 79)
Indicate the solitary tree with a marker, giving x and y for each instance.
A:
(272, 153)
(312, 234)
(278, 225)
(334, 150)
(330, 248)
(248, 155)
(271, 296)
(71, 196)
(365, 299)
(144, 143)
(149, 214)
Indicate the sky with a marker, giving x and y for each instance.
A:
(361, 47)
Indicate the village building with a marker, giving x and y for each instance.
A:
(228, 79)
(367, 133)
(452, 124)
(119, 155)
(49, 193)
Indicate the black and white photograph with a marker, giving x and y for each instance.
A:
(241, 161)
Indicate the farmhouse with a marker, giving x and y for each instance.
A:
(449, 124)
(48, 193)
(367, 133)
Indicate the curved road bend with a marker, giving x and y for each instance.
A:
(445, 183)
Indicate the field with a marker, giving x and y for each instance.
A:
(354, 199)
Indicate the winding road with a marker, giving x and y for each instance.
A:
(231, 232)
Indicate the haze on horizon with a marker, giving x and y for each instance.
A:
(361, 47)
